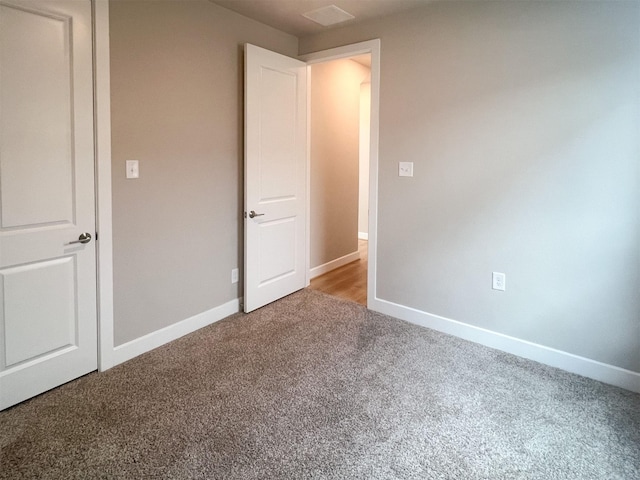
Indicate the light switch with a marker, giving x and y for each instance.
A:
(133, 170)
(405, 169)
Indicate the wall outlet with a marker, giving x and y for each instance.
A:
(405, 169)
(499, 281)
(234, 275)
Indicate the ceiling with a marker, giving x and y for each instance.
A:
(362, 59)
(286, 15)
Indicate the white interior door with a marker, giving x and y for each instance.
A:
(275, 176)
(47, 284)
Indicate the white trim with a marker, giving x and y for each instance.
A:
(333, 264)
(372, 47)
(307, 263)
(104, 244)
(148, 342)
(363, 236)
(586, 367)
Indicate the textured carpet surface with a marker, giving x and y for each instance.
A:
(316, 387)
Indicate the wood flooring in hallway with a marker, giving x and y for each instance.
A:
(348, 281)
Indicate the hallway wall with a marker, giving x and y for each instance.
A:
(335, 132)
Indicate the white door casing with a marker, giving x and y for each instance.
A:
(371, 47)
(48, 325)
(275, 176)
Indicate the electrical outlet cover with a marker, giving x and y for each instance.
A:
(499, 281)
(405, 169)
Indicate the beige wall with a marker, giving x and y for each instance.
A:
(523, 122)
(176, 106)
(335, 130)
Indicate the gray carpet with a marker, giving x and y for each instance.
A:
(316, 387)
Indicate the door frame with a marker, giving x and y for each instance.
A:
(102, 152)
(369, 47)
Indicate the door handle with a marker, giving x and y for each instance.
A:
(83, 238)
(253, 214)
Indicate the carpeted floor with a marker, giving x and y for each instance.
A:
(316, 387)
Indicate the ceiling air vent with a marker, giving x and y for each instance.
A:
(327, 16)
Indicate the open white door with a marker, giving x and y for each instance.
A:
(275, 176)
(47, 283)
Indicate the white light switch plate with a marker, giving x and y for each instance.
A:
(133, 170)
(405, 169)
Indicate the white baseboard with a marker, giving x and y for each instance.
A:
(148, 342)
(363, 236)
(333, 264)
(603, 372)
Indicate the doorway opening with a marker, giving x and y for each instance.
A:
(339, 134)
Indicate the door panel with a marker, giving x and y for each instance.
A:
(278, 250)
(278, 135)
(275, 176)
(36, 137)
(48, 332)
(34, 328)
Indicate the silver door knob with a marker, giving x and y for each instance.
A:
(83, 238)
(253, 214)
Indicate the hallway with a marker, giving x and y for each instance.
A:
(349, 281)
